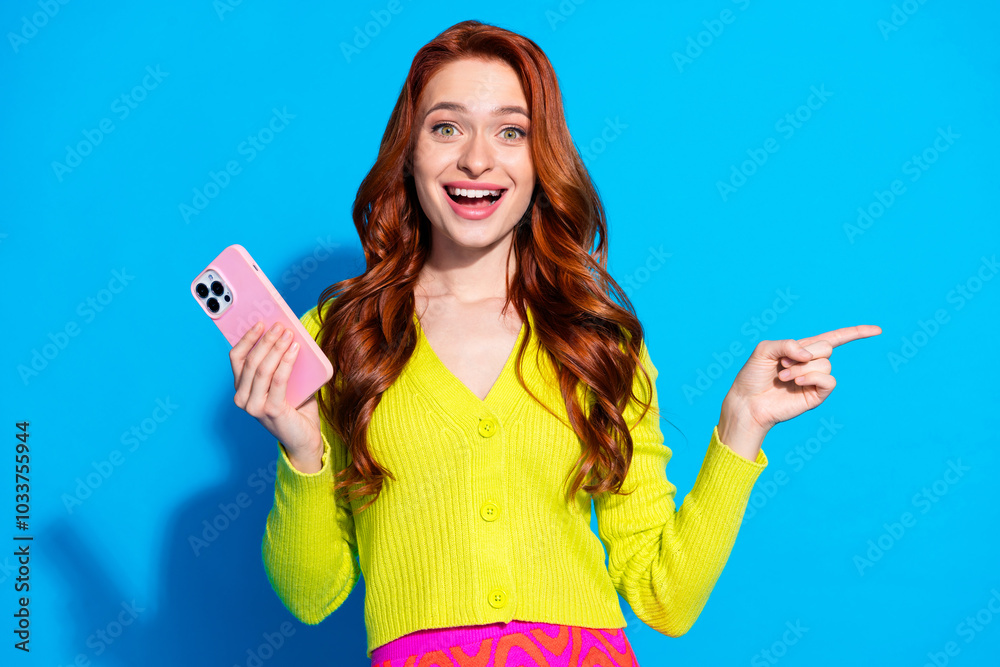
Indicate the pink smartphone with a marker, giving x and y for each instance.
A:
(236, 294)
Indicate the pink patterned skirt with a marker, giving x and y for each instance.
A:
(517, 643)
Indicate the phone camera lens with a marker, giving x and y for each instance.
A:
(217, 288)
(202, 290)
(213, 305)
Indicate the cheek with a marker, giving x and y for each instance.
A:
(423, 176)
(427, 169)
(425, 198)
(522, 169)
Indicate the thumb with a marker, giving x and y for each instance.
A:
(789, 348)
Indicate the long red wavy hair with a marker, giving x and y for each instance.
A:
(368, 331)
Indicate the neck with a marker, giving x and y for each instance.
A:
(467, 275)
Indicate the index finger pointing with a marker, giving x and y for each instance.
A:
(844, 335)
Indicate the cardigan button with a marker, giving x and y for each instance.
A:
(489, 511)
(487, 427)
(498, 598)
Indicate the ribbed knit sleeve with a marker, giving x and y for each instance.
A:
(663, 561)
(309, 549)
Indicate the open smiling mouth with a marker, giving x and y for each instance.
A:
(475, 198)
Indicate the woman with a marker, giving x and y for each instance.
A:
(480, 361)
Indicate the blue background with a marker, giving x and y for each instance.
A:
(692, 93)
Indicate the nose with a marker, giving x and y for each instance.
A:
(477, 155)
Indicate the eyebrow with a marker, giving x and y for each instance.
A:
(496, 111)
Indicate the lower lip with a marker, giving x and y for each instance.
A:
(474, 212)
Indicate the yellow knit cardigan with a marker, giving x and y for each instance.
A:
(475, 529)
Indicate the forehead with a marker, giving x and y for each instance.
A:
(479, 85)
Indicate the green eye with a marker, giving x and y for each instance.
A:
(518, 132)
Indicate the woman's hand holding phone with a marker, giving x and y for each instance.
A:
(260, 374)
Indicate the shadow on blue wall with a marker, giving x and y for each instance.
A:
(215, 603)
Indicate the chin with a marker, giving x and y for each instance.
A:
(473, 234)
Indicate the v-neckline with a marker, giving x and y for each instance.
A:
(499, 383)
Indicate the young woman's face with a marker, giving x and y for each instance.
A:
(472, 127)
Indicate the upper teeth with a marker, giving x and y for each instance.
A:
(473, 193)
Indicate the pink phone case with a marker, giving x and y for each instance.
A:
(245, 296)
